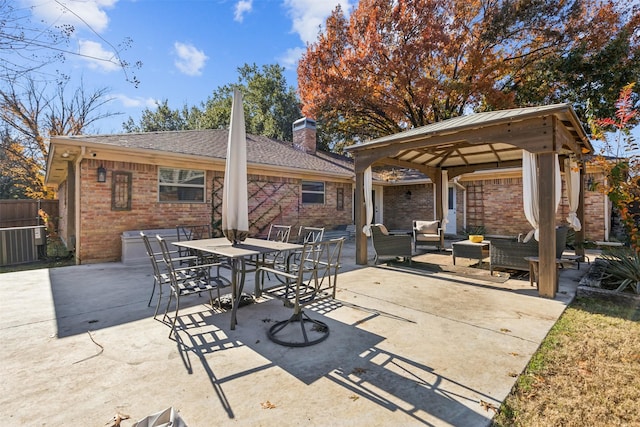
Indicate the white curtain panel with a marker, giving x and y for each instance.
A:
(530, 192)
(572, 180)
(558, 180)
(368, 188)
(445, 200)
(530, 196)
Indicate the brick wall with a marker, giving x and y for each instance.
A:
(495, 204)
(272, 200)
(503, 208)
(399, 211)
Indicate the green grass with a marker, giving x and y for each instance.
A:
(585, 372)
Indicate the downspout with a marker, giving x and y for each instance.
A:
(78, 223)
(434, 200)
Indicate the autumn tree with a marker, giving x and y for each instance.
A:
(271, 107)
(399, 64)
(29, 115)
(620, 160)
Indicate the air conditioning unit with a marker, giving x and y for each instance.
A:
(20, 245)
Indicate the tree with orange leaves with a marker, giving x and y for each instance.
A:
(399, 64)
(618, 158)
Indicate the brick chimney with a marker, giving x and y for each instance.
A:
(304, 135)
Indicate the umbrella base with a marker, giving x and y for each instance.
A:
(309, 332)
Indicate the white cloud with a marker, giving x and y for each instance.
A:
(77, 13)
(136, 102)
(190, 59)
(97, 57)
(291, 57)
(308, 16)
(242, 8)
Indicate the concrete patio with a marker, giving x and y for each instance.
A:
(406, 347)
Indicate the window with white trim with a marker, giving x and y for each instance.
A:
(313, 192)
(181, 185)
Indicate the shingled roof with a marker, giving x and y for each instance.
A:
(212, 143)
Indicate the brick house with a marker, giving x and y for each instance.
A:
(158, 180)
(109, 184)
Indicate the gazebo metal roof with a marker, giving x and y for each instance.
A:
(483, 141)
(486, 140)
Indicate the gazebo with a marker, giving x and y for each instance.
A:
(484, 141)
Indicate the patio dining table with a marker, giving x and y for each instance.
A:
(237, 255)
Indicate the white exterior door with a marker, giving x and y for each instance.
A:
(451, 215)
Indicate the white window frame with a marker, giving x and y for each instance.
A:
(323, 192)
(177, 171)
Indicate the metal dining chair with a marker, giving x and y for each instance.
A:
(314, 279)
(194, 232)
(277, 233)
(190, 280)
(310, 235)
(160, 277)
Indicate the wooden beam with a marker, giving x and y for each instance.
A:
(404, 164)
(547, 280)
(459, 170)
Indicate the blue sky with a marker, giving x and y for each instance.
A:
(188, 48)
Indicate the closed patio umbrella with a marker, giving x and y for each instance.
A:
(235, 211)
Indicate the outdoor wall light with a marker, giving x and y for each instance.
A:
(407, 195)
(102, 174)
(65, 155)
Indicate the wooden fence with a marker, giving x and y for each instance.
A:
(22, 213)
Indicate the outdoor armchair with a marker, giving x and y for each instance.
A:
(428, 233)
(390, 245)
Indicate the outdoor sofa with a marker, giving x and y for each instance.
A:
(510, 253)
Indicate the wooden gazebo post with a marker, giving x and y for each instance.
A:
(547, 280)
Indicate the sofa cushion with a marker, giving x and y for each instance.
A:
(427, 237)
(427, 227)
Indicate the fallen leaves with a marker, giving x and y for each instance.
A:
(117, 419)
(267, 405)
(488, 406)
